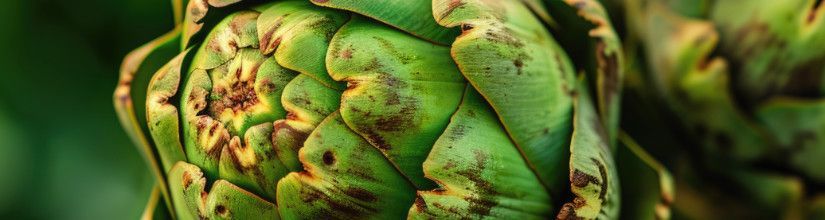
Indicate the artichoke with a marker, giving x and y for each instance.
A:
(383, 109)
(744, 80)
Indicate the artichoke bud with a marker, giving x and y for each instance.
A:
(385, 109)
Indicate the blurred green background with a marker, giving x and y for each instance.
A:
(63, 155)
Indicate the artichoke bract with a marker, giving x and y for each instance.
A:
(745, 81)
(383, 109)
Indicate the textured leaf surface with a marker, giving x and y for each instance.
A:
(584, 27)
(400, 92)
(593, 176)
(414, 16)
(307, 102)
(337, 109)
(300, 32)
(480, 172)
(345, 178)
(162, 116)
(501, 49)
(223, 201)
(230, 99)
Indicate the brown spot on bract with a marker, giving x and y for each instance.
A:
(352, 85)
(450, 209)
(277, 42)
(308, 194)
(485, 199)
(580, 5)
(377, 140)
(347, 54)
(504, 36)
(235, 150)
(519, 64)
(420, 204)
(282, 128)
(349, 211)
(580, 179)
(364, 174)
(567, 212)
(361, 194)
(187, 179)
(291, 116)
(328, 158)
(812, 13)
(267, 86)
(450, 8)
(239, 96)
(374, 65)
(466, 27)
(603, 184)
(221, 210)
(124, 98)
(458, 132)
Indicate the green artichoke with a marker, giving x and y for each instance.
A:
(745, 80)
(383, 109)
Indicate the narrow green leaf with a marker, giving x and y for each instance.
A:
(593, 173)
(130, 96)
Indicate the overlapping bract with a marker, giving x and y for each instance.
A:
(380, 109)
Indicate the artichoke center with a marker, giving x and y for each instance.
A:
(233, 94)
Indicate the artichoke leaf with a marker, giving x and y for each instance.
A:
(252, 163)
(501, 49)
(480, 171)
(298, 33)
(223, 201)
(401, 91)
(162, 116)
(593, 173)
(413, 17)
(641, 173)
(195, 16)
(230, 100)
(584, 25)
(307, 102)
(129, 97)
(345, 178)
